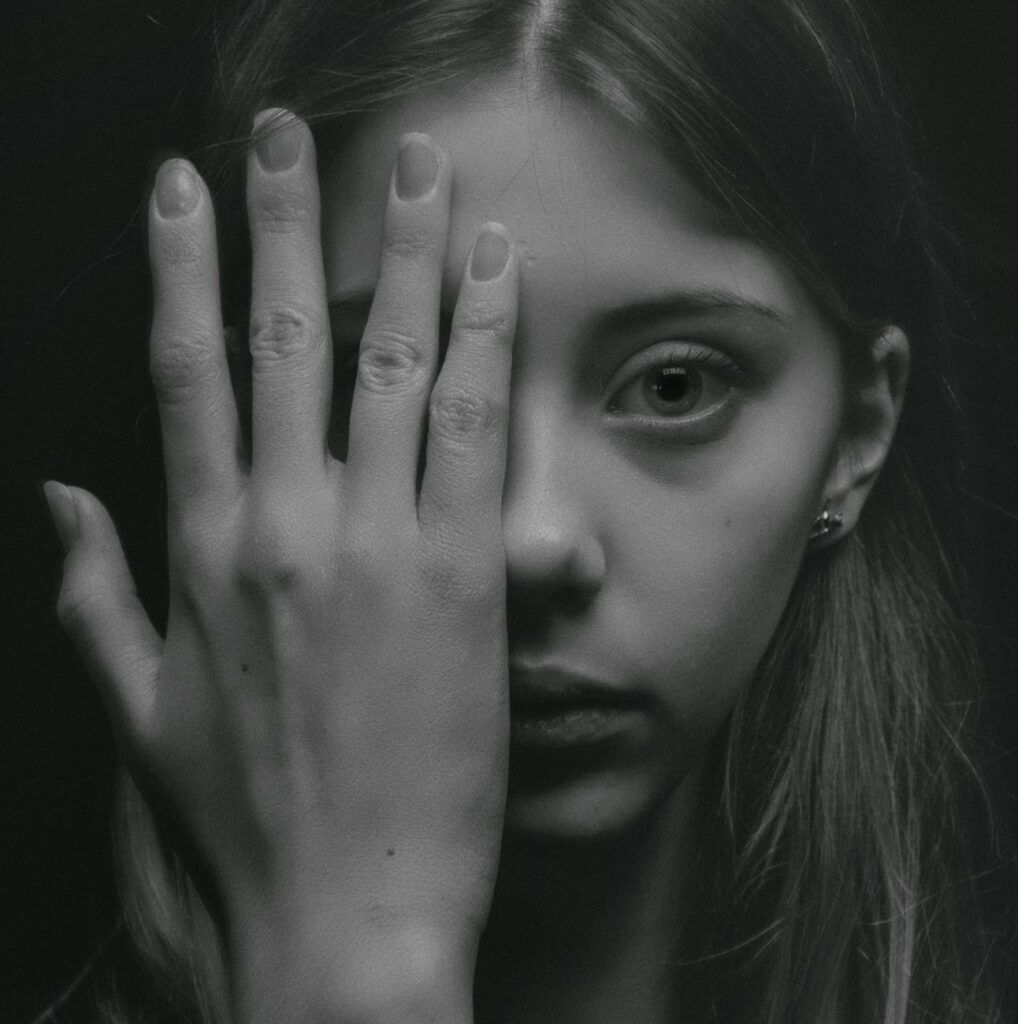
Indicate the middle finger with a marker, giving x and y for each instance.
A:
(399, 350)
(291, 351)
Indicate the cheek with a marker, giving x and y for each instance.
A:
(711, 569)
(703, 638)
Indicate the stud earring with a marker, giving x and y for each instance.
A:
(825, 524)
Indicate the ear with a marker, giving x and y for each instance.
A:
(871, 419)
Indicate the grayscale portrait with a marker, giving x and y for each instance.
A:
(513, 512)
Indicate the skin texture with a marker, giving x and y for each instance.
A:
(326, 720)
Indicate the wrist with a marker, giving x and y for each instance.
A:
(406, 975)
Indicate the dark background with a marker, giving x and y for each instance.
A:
(94, 93)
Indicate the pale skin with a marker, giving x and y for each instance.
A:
(328, 716)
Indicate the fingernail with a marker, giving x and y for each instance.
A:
(491, 254)
(63, 511)
(176, 189)
(416, 168)
(279, 148)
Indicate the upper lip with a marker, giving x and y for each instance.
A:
(554, 684)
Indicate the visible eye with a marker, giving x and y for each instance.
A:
(673, 381)
(667, 390)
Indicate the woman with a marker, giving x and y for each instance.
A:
(635, 691)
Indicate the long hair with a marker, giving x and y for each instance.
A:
(839, 871)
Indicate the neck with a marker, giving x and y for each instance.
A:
(589, 931)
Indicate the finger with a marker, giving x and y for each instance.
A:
(289, 337)
(469, 409)
(99, 608)
(201, 433)
(399, 350)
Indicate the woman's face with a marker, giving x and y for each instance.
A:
(676, 408)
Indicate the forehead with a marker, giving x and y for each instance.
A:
(599, 213)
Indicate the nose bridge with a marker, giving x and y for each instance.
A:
(549, 534)
(536, 430)
(538, 477)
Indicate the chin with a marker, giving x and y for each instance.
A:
(584, 807)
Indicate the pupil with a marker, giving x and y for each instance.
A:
(671, 384)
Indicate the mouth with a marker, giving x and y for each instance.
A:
(557, 709)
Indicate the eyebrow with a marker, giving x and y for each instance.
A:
(689, 302)
(686, 302)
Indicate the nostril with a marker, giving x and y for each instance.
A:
(532, 612)
(566, 570)
(528, 622)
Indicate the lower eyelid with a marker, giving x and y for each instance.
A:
(701, 428)
(687, 429)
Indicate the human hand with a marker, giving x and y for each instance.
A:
(326, 720)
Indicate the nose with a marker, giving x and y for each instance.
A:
(553, 554)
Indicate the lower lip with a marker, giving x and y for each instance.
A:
(557, 726)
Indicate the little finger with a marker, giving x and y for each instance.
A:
(469, 407)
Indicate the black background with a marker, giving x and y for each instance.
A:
(93, 94)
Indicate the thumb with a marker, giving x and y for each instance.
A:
(99, 608)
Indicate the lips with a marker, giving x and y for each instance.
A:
(539, 685)
(556, 708)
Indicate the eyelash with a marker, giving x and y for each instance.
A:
(687, 356)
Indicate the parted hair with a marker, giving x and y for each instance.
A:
(847, 829)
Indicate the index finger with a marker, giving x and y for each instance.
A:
(187, 358)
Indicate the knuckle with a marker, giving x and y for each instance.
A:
(181, 361)
(483, 319)
(282, 211)
(405, 241)
(281, 333)
(457, 414)
(178, 249)
(390, 359)
(278, 558)
(275, 575)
